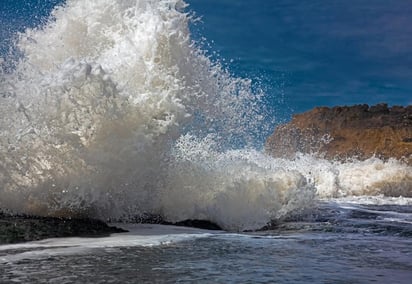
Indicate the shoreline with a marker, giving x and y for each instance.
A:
(348, 130)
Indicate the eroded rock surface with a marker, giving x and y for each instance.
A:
(21, 228)
(359, 131)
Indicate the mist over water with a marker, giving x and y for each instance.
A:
(112, 110)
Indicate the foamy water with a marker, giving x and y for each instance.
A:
(138, 235)
(113, 111)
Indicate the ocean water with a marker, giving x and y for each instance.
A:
(113, 109)
(312, 53)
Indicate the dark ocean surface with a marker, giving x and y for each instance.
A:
(316, 53)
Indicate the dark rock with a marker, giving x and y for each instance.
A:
(158, 219)
(200, 224)
(346, 132)
(15, 228)
(22, 228)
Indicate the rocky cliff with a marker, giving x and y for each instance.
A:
(358, 131)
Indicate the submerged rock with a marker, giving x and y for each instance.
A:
(200, 224)
(21, 228)
(347, 132)
(192, 223)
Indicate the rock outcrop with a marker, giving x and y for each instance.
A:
(346, 132)
(22, 228)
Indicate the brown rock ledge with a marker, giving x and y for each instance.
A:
(346, 132)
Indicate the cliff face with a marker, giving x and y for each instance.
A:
(345, 132)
